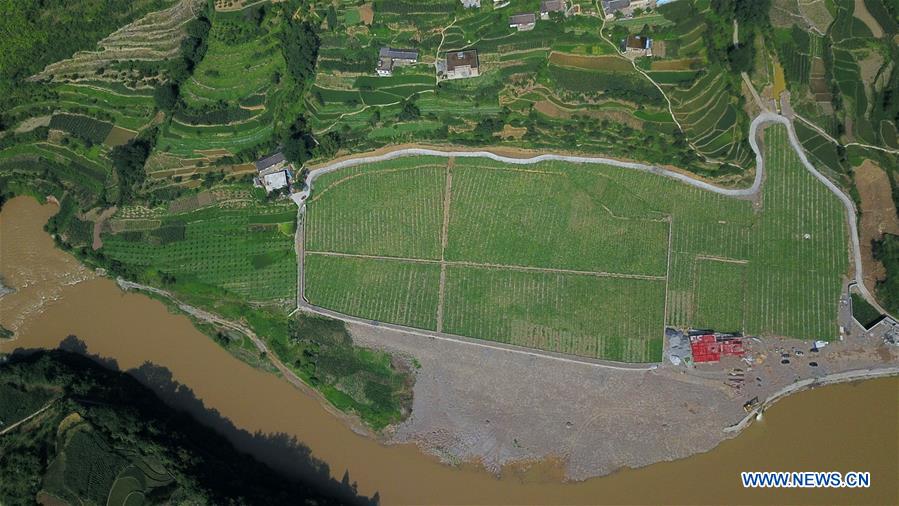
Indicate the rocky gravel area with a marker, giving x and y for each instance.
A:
(496, 408)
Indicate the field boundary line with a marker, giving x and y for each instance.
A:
(480, 265)
(444, 237)
(667, 277)
(714, 258)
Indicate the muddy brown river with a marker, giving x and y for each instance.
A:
(849, 427)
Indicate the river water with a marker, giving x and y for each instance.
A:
(851, 427)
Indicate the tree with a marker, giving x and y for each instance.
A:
(298, 142)
(128, 160)
(741, 57)
(166, 96)
(410, 111)
(299, 44)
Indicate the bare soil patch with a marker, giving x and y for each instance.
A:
(32, 123)
(118, 136)
(367, 13)
(509, 131)
(682, 64)
(550, 109)
(878, 216)
(869, 66)
(816, 14)
(659, 48)
(98, 226)
(612, 63)
(861, 12)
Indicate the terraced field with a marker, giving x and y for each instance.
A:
(228, 99)
(586, 260)
(699, 90)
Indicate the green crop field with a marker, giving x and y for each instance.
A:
(408, 226)
(246, 250)
(384, 290)
(580, 259)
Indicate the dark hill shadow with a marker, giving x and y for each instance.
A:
(283, 453)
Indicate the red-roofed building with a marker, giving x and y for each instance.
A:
(710, 348)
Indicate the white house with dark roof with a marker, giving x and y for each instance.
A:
(523, 22)
(388, 58)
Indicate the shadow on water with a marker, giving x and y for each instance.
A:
(283, 453)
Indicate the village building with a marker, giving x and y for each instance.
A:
(549, 6)
(388, 58)
(635, 46)
(273, 172)
(625, 8)
(459, 65)
(523, 22)
(471, 4)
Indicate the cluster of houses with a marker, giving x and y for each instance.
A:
(465, 64)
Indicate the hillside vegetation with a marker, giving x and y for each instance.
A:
(103, 438)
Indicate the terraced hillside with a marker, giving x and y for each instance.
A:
(559, 85)
(586, 260)
(88, 104)
(228, 100)
(841, 74)
(704, 97)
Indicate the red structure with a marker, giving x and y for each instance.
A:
(710, 348)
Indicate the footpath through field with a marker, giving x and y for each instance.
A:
(764, 118)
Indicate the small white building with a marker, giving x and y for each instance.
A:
(471, 4)
(276, 180)
(273, 172)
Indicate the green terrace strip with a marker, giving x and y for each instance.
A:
(587, 260)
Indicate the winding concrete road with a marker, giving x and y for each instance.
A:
(764, 118)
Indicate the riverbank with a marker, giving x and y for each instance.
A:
(273, 420)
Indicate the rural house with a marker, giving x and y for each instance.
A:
(389, 58)
(550, 6)
(273, 172)
(625, 7)
(459, 65)
(635, 46)
(523, 22)
(471, 4)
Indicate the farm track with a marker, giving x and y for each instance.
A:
(462, 263)
(764, 118)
